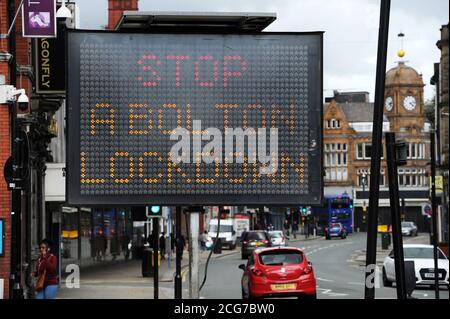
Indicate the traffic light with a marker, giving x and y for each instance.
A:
(401, 148)
(304, 210)
(153, 211)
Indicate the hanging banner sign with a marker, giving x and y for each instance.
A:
(39, 18)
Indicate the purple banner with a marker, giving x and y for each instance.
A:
(39, 18)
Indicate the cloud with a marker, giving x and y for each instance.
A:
(351, 30)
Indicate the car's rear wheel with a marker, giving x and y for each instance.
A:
(386, 282)
(327, 238)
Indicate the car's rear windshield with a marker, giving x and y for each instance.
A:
(280, 257)
(256, 236)
(407, 224)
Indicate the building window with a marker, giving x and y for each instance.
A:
(336, 162)
(360, 154)
(364, 151)
(367, 151)
(364, 174)
(416, 151)
(412, 177)
(333, 124)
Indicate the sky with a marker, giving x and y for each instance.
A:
(351, 31)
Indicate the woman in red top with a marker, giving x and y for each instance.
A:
(47, 262)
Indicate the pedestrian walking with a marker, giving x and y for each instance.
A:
(162, 245)
(172, 241)
(203, 240)
(286, 227)
(47, 279)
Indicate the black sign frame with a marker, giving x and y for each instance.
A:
(73, 142)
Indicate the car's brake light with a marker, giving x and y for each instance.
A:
(257, 272)
(245, 242)
(265, 241)
(307, 269)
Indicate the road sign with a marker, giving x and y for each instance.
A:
(39, 18)
(186, 119)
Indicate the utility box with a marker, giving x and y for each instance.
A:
(385, 240)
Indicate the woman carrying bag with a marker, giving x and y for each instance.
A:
(47, 279)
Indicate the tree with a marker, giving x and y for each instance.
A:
(428, 110)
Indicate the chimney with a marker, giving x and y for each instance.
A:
(116, 9)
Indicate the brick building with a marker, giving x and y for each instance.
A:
(442, 114)
(23, 80)
(442, 44)
(347, 146)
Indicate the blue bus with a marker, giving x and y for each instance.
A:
(337, 209)
(340, 210)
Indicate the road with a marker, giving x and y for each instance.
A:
(338, 275)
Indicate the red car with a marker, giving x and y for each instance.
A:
(278, 272)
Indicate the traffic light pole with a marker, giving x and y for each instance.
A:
(434, 212)
(371, 255)
(397, 241)
(179, 252)
(155, 258)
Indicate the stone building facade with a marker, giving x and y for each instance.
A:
(348, 139)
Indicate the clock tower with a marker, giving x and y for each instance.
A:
(403, 103)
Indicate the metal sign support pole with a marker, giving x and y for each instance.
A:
(179, 252)
(371, 255)
(397, 240)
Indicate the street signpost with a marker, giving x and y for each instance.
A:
(127, 93)
(39, 18)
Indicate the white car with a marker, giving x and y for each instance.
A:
(277, 238)
(422, 255)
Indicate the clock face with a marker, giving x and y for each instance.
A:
(389, 103)
(409, 103)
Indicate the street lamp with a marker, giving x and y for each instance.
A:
(63, 12)
(363, 181)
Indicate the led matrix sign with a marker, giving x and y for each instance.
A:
(194, 118)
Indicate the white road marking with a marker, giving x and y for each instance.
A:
(323, 279)
(330, 293)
